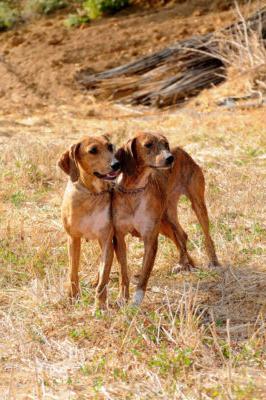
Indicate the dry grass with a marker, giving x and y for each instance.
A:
(244, 54)
(199, 335)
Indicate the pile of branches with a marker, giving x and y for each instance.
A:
(174, 74)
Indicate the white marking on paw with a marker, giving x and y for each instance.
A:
(138, 297)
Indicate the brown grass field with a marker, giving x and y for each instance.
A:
(199, 335)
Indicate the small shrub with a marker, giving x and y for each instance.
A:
(44, 6)
(113, 6)
(74, 20)
(8, 17)
(95, 8)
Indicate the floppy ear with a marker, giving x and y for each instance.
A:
(68, 162)
(127, 156)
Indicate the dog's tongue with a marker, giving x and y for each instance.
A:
(112, 174)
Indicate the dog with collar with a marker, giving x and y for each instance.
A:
(86, 208)
(145, 204)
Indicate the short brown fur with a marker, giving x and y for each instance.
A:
(145, 203)
(86, 208)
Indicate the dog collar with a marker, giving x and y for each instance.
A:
(87, 191)
(121, 189)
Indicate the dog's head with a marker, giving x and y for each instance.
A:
(94, 156)
(146, 150)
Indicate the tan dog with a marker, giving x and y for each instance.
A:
(145, 203)
(86, 208)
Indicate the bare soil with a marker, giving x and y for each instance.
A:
(38, 60)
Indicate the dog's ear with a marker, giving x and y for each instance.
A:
(127, 156)
(68, 162)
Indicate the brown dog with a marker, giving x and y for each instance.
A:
(145, 203)
(86, 208)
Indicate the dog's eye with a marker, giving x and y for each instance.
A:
(148, 145)
(93, 150)
(110, 147)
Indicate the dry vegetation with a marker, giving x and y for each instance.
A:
(198, 335)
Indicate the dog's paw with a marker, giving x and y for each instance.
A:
(73, 293)
(99, 309)
(121, 302)
(182, 268)
(138, 297)
(185, 264)
(214, 264)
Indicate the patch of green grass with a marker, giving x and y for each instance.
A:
(184, 200)
(214, 189)
(75, 20)
(44, 6)
(213, 392)
(256, 251)
(95, 8)
(240, 162)
(26, 261)
(18, 198)
(8, 16)
(15, 259)
(97, 384)
(120, 374)
(78, 334)
(227, 231)
(219, 322)
(252, 353)
(258, 229)
(171, 362)
(244, 392)
(254, 152)
(86, 370)
(205, 274)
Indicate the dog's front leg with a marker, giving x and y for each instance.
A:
(150, 250)
(121, 254)
(74, 257)
(104, 270)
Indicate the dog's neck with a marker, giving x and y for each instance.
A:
(92, 183)
(139, 179)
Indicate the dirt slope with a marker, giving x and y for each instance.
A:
(38, 60)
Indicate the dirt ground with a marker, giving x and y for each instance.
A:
(38, 60)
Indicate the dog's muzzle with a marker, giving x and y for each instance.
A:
(169, 160)
(110, 176)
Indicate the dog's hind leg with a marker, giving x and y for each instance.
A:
(174, 231)
(74, 244)
(195, 193)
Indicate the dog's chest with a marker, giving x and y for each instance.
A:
(92, 225)
(137, 218)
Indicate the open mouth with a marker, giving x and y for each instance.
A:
(107, 177)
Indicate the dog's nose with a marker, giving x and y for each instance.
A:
(169, 160)
(115, 165)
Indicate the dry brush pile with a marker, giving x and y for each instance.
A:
(176, 73)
